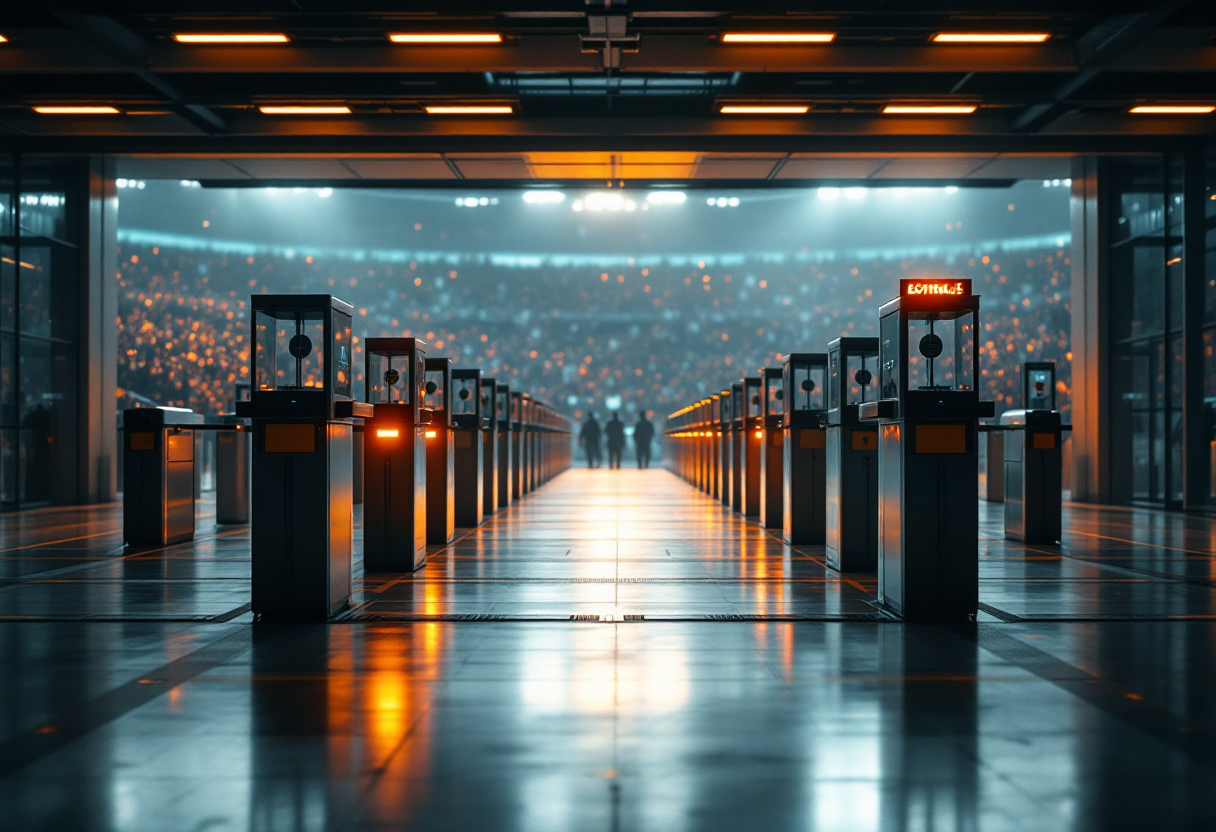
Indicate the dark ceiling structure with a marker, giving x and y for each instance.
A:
(575, 89)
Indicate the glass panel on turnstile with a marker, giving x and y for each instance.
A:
(860, 372)
(941, 347)
(465, 400)
(343, 354)
(433, 390)
(833, 380)
(289, 351)
(889, 356)
(1040, 388)
(388, 379)
(810, 385)
(776, 396)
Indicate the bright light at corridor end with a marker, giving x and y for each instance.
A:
(991, 37)
(929, 110)
(666, 197)
(544, 197)
(445, 37)
(779, 37)
(231, 37)
(764, 109)
(1173, 109)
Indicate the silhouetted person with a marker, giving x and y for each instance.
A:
(589, 438)
(615, 431)
(643, 433)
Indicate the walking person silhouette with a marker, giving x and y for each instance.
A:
(589, 438)
(643, 435)
(615, 432)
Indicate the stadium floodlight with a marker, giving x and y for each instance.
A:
(666, 197)
(544, 197)
(856, 193)
(608, 201)
(829, 194)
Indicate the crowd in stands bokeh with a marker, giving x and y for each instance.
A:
(657, 337)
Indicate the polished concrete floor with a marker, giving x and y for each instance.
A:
(617, 652)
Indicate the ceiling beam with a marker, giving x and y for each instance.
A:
(1095, 51)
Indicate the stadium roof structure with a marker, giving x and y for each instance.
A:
(360, 92)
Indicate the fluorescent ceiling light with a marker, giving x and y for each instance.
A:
(470, 110)
(666, 197)
(991, 37)
(1173, 109)
(306, 110)
(764, 109)
(544, 197)
(449, 37)
(232, 37)
(922, 110)
(76, 111)
(779, 37)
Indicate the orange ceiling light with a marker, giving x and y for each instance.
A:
(306, 110)
(445, 37)
(90, 110)
(991, 37)
(929, 109)
(1173, 109)
(764, 109)
(778, 37)
(469, 109)
(231, 37)
(3, 39)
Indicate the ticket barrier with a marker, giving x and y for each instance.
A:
(804, 449)
(725, 446)
(357, 470)
(395, 456)
(302, 512)
(233, 472)
(992, 464)
(852, 457)
(440, 452)
(469, 451)
(737, 439)
(772, 463)
(506, 457)
(928, 549)
(158, 475)
(751, 446)
(517, 445)
(1033, 467)
(552, 433)
(713, 430)
(489, 447)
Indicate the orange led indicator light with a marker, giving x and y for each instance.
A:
(923, 288)
(430, 434)
(387, 433)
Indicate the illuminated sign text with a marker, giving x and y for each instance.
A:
(934, 288)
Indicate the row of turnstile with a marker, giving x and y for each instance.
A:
(871, 450)
(440, 447)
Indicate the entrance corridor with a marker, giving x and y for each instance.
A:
(615, 652)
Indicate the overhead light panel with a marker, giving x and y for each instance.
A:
(1173, 109)
(991, 37)
(929, 109)
(58, 110)
(778, 37)
(470, 109)
(445, 37)
(764, 109)
(3, 39)
(231, 37)
(544, 197)
(306, 110)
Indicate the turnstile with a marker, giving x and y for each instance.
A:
(852, 458)
(804, 449)
(395, 456)
(772, 463)
(751, 445)
(233, 472)
(506, 457)
(467, 462)
(992, 464)
(440, 453)
(489, 445)
(928, 556)
(736, 446)
(302, 513)
(1033, 475)
(158, 475)
(725, 447)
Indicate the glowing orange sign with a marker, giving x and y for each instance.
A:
(387, 433)
(934, 287)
